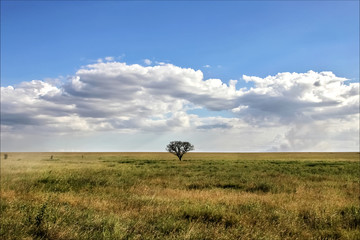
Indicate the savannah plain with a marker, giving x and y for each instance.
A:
(156, 196)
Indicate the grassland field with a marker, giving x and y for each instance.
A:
(155, 196)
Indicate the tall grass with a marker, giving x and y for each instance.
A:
(155, 196)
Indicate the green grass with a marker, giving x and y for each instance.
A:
(155, 196)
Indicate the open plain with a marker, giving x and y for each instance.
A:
(156, 196)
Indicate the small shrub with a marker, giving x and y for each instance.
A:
(38, 228)
(197, 186)
(261, 187)
(40, 216)
(351, 216)
(230, 186)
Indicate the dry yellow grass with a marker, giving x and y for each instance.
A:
(154, 196)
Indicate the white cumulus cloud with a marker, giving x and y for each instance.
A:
(288, 111)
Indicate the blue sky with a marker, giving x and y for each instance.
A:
(259, 38)
(224, 40)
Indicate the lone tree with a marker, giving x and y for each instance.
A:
(179, 148)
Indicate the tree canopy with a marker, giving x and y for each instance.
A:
(179, 148)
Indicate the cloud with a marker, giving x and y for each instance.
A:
(323, 135)
(214, 126)
(298, 97)
(106, 59)
(109, 59)
(291, 109)
(207, 66)
(147, 61)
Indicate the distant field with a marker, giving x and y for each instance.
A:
(155, 196)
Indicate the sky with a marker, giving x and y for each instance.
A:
(233, 76)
